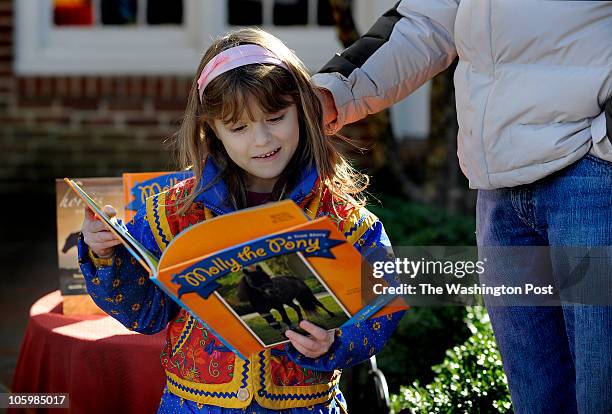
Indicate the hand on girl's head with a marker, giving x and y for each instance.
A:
(95, 234)
(330, 113)
(316, 344)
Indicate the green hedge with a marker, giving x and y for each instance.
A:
(471, 378)
(466, 378)
(411, 224)
(420, 341)
(424, 334)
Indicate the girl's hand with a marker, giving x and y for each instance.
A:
(312, 346)
(100, 240)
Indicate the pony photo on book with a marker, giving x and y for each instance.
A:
(274, 295)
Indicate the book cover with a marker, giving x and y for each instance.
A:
(69, 218)
(275, 294)
(137, 187)
(266, 268)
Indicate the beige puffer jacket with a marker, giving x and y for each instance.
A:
(531, 82)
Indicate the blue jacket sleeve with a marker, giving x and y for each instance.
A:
(358, 342)
(121, 286)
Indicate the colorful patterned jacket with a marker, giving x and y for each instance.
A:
(198, 367)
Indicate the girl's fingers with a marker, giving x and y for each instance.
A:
(106, 236)
(97, 227)
(99, 237)
(108, 244)
(316, 331)
(314, 346)
(306, 352)
(109, 210)
(302, 340)
(91, 232)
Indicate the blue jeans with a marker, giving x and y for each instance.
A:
(558, 359)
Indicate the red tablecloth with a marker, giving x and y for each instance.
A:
(104, 367)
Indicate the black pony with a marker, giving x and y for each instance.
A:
(265, 293)
(71, 241)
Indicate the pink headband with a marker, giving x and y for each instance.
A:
(235, 57)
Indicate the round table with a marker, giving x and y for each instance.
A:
(104, 367)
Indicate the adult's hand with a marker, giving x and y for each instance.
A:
(330, 113)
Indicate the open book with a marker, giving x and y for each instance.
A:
(250, 275)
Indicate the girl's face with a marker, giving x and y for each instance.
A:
(262, 146)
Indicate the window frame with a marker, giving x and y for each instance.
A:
(41, 49)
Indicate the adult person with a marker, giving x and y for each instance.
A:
(531, 84)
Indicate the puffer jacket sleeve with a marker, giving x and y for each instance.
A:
(407, 46)
(356, 343)
(121, 286)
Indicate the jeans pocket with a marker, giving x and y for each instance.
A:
(604, 163)
(601, 151)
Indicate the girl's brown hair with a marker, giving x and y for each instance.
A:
(273, 88)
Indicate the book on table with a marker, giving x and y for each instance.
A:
(69, 217)
(265, 269)
(137, 187)
(126, 193)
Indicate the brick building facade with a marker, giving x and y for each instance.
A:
(102, 123)
(55, 126)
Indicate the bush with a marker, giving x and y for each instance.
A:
(411, 224)
(471, 378)
(420, 341)
(424, 334)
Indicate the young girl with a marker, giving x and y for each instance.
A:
(252, 133)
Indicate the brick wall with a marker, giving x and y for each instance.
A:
(75, 126)
(88, 126)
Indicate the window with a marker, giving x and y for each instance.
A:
(116, 12)
(245, 12)
(280, 13)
